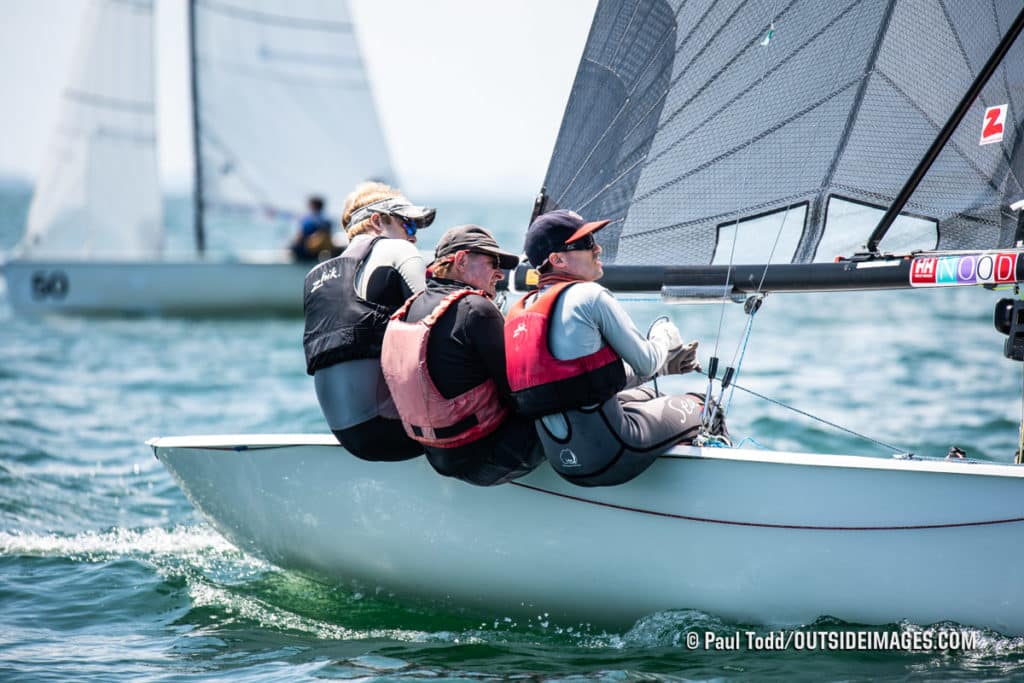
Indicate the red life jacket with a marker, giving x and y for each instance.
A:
(429, 417)
(542, 384)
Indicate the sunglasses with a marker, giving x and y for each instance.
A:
(410, 225)
(495, 261)
(585, 243)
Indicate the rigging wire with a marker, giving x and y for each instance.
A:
(707, 415)
(822, 420)
(754, 301)
(742, 352)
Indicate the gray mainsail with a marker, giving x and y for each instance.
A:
(717, 132)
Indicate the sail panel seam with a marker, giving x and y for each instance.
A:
(290, 80)
(740, 147)
(713, 78)
(742, 93)
(782, 202)
(258, 17)
(622, 108)
(107, 102)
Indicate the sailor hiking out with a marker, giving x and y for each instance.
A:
(347, 302)
(576, 361)
(444, 361)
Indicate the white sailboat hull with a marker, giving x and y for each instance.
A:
(235, 287)
(753, 536)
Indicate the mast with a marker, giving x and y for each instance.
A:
(197, 179)
(947, 131)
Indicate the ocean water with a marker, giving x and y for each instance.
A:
(107, 573)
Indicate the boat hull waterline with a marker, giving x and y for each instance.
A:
(752, 536)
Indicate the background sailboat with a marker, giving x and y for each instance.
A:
(717, 134)
(282, 109)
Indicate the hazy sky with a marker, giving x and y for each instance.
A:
(470, 92)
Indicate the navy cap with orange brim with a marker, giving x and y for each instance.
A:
(551, 231)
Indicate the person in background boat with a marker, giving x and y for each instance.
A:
(347, 302)
(314, 238)
(444, 361)
(576, 361)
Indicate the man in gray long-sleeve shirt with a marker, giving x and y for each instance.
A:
(576, 361)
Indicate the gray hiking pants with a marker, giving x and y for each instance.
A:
(610, 443)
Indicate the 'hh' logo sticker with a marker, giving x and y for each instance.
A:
(992, 130)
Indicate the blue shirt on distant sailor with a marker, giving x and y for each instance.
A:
(314, 221)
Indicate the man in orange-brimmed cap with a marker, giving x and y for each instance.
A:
(576, 361)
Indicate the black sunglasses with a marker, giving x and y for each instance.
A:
(495, 261)
(585, 243)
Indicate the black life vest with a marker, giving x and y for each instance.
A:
(542, 384)
(340, 324)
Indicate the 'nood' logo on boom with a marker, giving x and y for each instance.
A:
(965, 269)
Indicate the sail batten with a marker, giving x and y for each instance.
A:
(311, 22)
(756, 110)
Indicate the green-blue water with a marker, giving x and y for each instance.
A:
(107, 573)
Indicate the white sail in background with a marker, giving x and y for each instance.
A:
(283, 105)
(98, 195)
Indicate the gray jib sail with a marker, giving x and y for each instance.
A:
(790, 126)
(283, 105)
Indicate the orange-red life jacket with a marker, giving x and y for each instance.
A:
(429, 417)
(542, 384)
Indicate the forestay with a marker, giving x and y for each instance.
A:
(98, 194)
(793, 124)
(283, 105)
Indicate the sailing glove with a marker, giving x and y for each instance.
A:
(665, 334)
(683, 360)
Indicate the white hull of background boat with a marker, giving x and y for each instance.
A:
(236, 287)
(752, 536)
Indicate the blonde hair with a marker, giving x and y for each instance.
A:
(443, 267)
(363, 194)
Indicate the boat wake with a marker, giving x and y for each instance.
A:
(196, 546)
(225, 595)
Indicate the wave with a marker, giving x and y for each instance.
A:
(200, 544)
